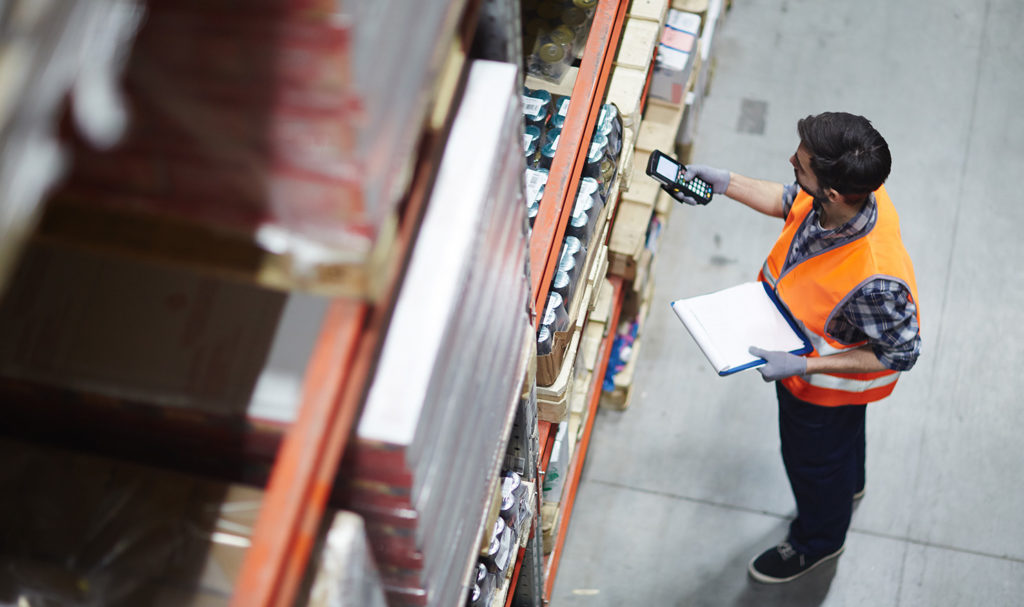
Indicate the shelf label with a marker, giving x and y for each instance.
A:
(532, 105)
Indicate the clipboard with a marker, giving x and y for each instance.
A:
(726, 323)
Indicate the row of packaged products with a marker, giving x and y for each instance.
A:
(492, 569)
(544, 116)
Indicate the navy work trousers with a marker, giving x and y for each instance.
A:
(823, 450)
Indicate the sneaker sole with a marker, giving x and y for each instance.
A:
(767, 579)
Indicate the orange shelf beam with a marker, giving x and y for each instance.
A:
(576, 467)
(302, 477)
(567, 164)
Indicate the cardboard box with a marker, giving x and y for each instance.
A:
(553, 401)
(676, 50)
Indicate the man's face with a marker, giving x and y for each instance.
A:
(805, 177)
(801, 161)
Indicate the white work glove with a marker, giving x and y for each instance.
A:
(779, 365)
(718, 179)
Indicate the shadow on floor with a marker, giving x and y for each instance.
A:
(733, 587)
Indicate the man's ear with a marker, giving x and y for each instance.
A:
(850, 201)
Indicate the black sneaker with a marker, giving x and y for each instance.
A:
(783, 564)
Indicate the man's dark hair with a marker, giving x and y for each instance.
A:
(847, 153)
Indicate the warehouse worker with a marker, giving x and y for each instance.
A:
(842, 270)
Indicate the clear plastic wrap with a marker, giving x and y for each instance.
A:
(555, 33)
(84, 531)
(346, 574)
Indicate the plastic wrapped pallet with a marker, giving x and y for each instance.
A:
(431, 437)
(79, 530)
(294, 122)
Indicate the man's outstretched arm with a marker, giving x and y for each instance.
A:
(762, 196)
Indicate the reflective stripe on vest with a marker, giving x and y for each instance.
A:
(821, 345)
(841, 391)
(767, 276)
(817, 287)
(846, 384)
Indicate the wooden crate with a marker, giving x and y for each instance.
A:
(634, 212)
(625, 89)
(659, 127)
(639, 39)
(652, 10)
(553, 401)
(691, 6)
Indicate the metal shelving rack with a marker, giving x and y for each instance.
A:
(308, 459)
(555, 208)
(567, 164)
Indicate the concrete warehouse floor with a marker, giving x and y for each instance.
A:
(680, 491)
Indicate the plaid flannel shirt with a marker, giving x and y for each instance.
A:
(881, 311)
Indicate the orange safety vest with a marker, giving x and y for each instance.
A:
(816, 288)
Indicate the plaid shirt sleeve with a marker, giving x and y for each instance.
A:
(789, 193)
(882, 313)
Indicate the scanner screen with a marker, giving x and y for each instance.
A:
(667, 168)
